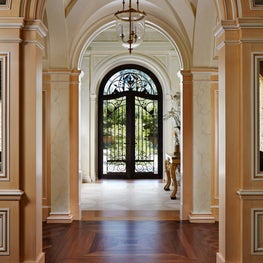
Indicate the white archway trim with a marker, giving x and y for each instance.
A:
(86, 36)
(112, 62)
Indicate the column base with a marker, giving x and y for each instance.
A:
(60, 218)
(85, 177)
(219, 258)
(40, 259)
(45, 212)
(201, 218)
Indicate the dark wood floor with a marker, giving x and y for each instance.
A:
(130, 242)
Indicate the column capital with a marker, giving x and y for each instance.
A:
(61, 75)
(186, 76)
(34, 32)
(61, 71)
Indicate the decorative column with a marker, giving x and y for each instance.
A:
(230, 143)
(85, 128)
(250, 192)
(46, 110)
(201, 212)
(10, 174)
(187, 144)
(93, 138)
(214, 192)
(75, 179)
(30, 143)
(64, 145)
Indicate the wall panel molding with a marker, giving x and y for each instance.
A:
(250, 194)
(4, 231)
(257, 174)
(257, 231)
(10, 195)
(5, 5)
(4, 122)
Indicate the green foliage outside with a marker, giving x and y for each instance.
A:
(114, 128)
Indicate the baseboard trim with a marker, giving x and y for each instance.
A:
(40, 259)
(45, 212)
(219, 258)
(59, 218)
(202, 218)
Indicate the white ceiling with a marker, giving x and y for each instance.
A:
(186, 24)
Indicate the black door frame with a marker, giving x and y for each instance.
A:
(160, 124)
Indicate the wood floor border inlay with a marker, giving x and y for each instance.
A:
(98, 215)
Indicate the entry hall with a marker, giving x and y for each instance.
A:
(106, 105)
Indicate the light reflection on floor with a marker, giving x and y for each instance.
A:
(127, 195)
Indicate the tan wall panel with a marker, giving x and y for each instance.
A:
(13, 131)
(9, 252)
(12, 8)
(31, 143)
(252, 239)
(229, 149)
(250, 10)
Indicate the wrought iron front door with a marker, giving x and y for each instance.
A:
(130, 131)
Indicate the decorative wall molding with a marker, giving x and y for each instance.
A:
(257, 231)
(5, 4)
(98, 58)
(11, 195)
(256, 174)
(250, 194)
(11, 22)
(4, 71)
(256, 4)
(220, 258)
(4, 233)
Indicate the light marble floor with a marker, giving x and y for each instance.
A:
(127, 195)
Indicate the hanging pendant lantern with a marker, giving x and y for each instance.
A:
(130, 24)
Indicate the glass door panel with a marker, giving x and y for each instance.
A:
(114, 135)
(146, 135)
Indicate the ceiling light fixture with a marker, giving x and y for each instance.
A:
(130, 25)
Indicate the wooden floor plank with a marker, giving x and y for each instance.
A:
(130, 242)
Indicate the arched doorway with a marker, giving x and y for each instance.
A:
(130, 124)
